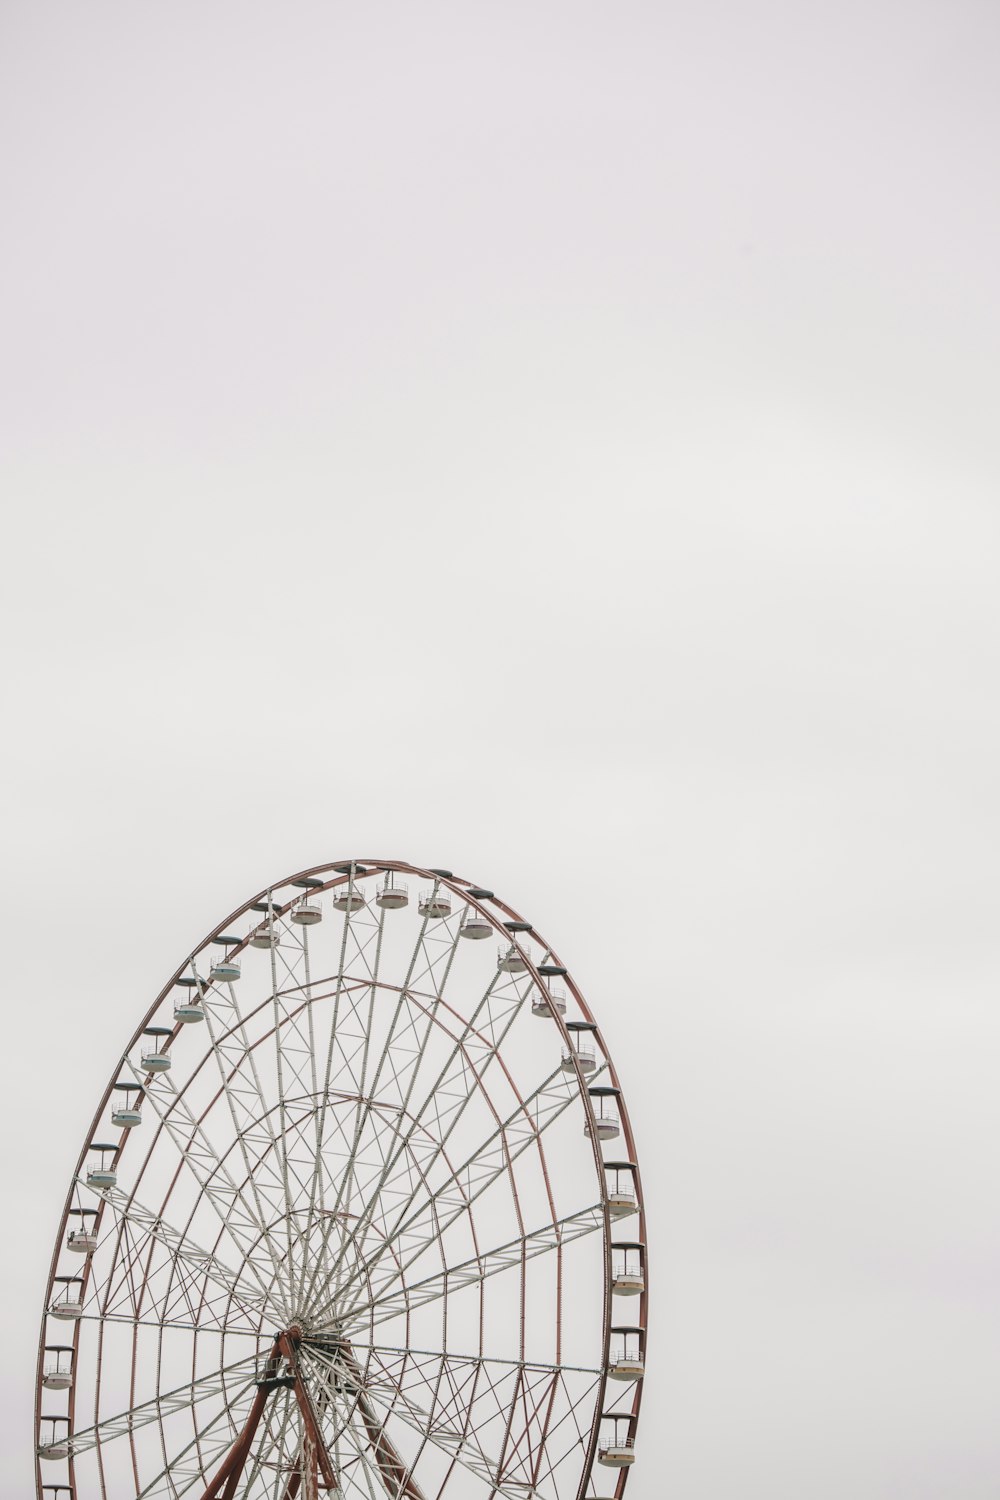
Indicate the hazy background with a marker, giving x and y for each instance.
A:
(559, 442)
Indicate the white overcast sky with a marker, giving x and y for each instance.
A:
(557, 441)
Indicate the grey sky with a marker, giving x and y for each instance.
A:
(559, 442)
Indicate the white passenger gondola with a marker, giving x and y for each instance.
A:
(57, 1372)
(225, 971)
(545, 1002)
(67, 1298)
(581, 1052)
(265, 936)
(125, 1111)
(392, 894)
(190, 1007)
(102, 1173)
(617, 1449)
(155, 1057)
(268, 934)
(628, 1278)
(582, 1055)
(188, 1012)
(625, 1360)
(83, 1241)
(618, 1453)
(348, 899)
(510, 961)
(620, 1188)
(606, 1123)
(435, 903)
(307, 913)
(475, 926)
(56, 1443)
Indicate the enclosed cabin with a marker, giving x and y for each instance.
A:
(81, 1237)
(435, 903)
(226, 970)
(54, 1435)
(551, 1000)
(190, 1006)
(57, 1367)
(628, 1261)
(67, 1298)
(581, 1052)
(620, 1178)
(307, 911)
(266, 933)
(154, 1054)
(393, 894)
(604, 1104)
(125, 1101)
(616, 1449)
(101, 1170)
(348, 898)
(626, 1358)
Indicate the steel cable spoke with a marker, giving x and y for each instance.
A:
(403, 1002)
(181, 1399)
(477, 1268)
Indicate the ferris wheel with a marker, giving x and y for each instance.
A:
(359, 1215)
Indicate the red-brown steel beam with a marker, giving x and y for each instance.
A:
(312, 1429)
(235, 1459)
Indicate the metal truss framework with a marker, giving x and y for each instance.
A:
(362, 1241)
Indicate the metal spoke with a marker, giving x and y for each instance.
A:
(208, 1169)
(457, 1445)
(176, 1468)
(154, 1410)
(472, 1054)
(272, 1452)
(233, 1066)
(401, 1006)
(540, 1366)
(477, 1268)
(130, 1322)
(128, 1209)
(491, 1159)
(370, 988)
